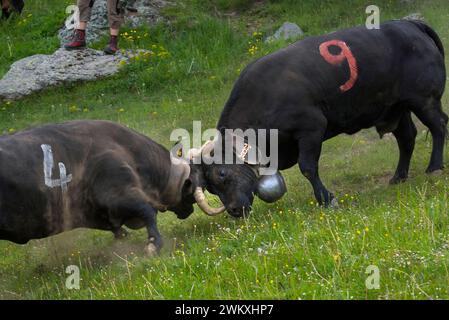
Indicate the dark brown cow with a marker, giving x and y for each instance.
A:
(92, 174)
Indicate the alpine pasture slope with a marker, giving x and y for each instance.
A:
(289, 250)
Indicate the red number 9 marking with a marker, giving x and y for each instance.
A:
(336, 60)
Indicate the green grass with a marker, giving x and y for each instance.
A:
(292, 249)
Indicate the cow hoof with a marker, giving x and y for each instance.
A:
(120, 234)
(436, 173)
(151, 250)
(397, 180)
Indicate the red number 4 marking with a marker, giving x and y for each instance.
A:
(337, 60)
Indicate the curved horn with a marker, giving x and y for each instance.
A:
(201, 200)
(205, 151)
(193, 153)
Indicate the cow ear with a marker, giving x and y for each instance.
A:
(184, 209)
(195, 179)
(188, 187)
(178, 149)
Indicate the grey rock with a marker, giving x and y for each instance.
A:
(286, 32)
(147, 12)
(414, 16)
(38, 72)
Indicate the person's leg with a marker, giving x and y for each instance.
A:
(5, 4)
(85, 10)
(5, 9)
(114, 32)
(82, 25)
(79, 35)
(115, 16)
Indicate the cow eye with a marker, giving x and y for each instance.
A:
(222, 173)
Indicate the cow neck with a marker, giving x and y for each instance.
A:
(179, 173)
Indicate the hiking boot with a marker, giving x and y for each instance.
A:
(78, 40)
(112, 47)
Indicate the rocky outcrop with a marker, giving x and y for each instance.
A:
(286, 32)
(147, 12)
(414, 16)
(40, 71)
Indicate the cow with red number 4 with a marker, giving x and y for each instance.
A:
(343, 82)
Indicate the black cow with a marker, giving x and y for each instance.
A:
(91, 174)
(338, 83)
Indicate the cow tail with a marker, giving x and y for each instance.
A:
(431, 33)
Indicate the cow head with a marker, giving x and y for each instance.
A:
(185, 186)
(235, 183)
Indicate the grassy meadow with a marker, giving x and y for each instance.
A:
(289, 250)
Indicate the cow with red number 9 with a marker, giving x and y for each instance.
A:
(323, 86)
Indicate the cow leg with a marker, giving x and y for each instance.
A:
(132, 209)
(433, 117)
(154, 237)
(405, 134)
(142, 211)
(116, 188)
(309, 155)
